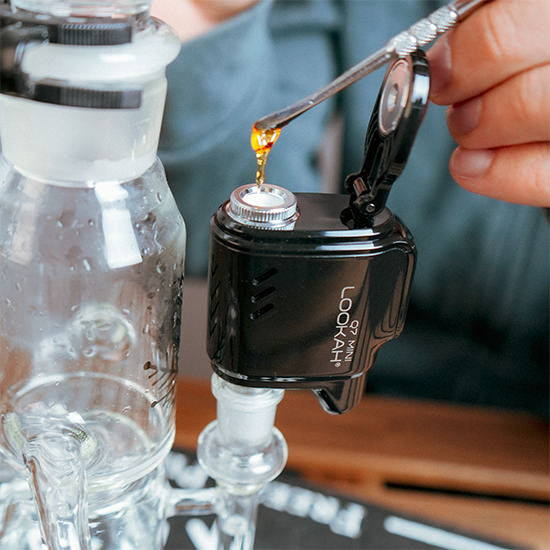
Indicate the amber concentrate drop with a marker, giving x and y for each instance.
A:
(262, 141)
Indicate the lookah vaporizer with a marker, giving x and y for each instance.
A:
(305, 288)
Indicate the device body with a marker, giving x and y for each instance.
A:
(307, 307)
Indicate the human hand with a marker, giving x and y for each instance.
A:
(191, 18)
(494, 72)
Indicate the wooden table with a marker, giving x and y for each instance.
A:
(386, 449)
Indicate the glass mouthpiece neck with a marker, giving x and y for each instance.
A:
(84, 8)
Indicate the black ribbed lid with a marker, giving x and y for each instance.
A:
(84, 97)
(90, 33)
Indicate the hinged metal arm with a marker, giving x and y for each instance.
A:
(395, 121)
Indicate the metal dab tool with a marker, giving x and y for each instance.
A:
(418, 35)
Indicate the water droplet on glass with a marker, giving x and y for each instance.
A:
(67, 219)
(126, 311)
(159, 197)
(86, 263)
(18, 287)
(88, 352)
(150, 218)
(161, 268)
(91, 223)
(74, 308)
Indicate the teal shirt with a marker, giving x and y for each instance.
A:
(478, 321)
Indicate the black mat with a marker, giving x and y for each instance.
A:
(296, 515)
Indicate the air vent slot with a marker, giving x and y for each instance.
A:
(263, 277)
(254, 316)
(262, 295)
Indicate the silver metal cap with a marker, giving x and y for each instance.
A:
(265, 206)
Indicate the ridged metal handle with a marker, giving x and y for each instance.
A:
(417, 36)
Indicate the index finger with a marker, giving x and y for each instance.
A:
(500, 40)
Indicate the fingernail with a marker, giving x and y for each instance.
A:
(440, 64)
(464, 117)
(467, 163)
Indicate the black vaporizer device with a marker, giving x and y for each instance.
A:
(304, 289)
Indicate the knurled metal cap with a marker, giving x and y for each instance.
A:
(263, 206)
